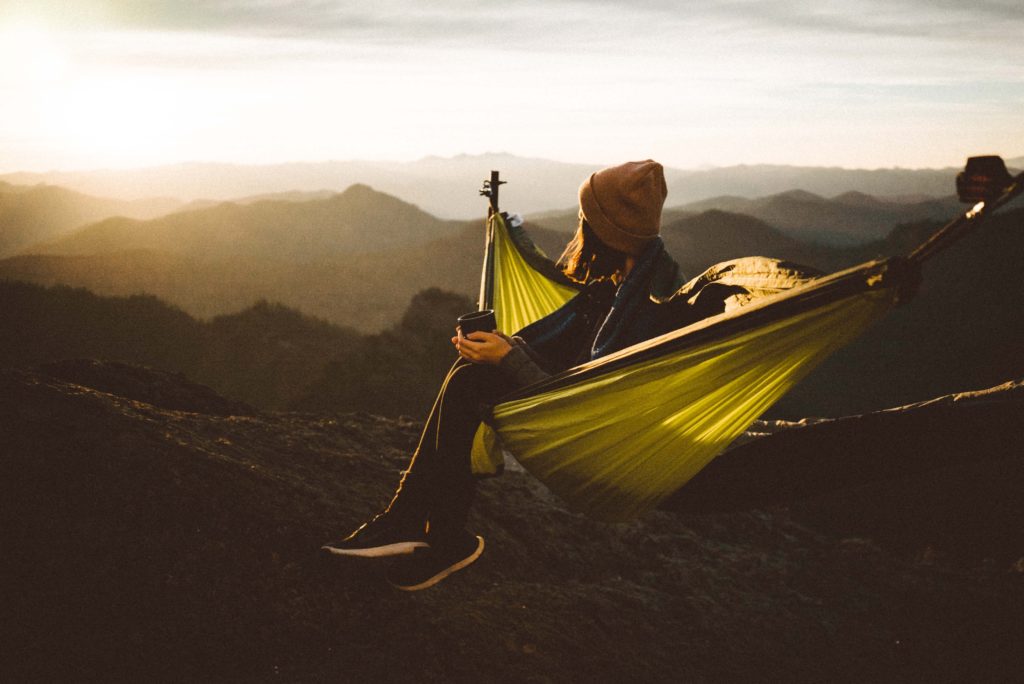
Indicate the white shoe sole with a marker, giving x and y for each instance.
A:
(396, 549)
(447, 571)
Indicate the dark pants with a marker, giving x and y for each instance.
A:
(438, 484)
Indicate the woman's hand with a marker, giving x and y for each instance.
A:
(482, 347)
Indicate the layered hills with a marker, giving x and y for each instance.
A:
(446, 187)
(33, 214)
(266, 355)
(358, 258)
(356, 221)
(354, 258)
(847, 219)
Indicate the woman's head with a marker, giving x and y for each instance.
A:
(622, 204)
(620, 213)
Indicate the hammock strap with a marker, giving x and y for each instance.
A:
(965, 223)
(486, 298)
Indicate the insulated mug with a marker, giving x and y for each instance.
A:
(477, 321)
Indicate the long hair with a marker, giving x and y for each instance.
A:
(587, 259)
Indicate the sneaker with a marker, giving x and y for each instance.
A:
(429, 566)
(380, 537)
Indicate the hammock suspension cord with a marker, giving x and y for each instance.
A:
(965, 223)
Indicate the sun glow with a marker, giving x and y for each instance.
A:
(31, 53)
(89, 106)
(123, 118)
(96, 83)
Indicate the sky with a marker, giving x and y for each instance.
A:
(856, 83)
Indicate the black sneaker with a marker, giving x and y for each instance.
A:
(382, 536)
(429, 566)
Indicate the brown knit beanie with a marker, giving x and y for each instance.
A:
(622, 204)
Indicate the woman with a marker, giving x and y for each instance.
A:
(618, 257)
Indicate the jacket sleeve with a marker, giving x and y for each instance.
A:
(521, 365)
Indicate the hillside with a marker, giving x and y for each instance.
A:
(171, 541)
(852, 218)
(959, 332)
(700, 241)
(846, 219)
(206, 274)
(356, 221)
(761, 180)
(369, 293)
(963, 330)
(565, 221)
(31, 214)
(218, 259)
(267, 355)
(926, 462)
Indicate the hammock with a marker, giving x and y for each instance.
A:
(616, 436)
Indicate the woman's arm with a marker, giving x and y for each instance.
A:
(511, 355)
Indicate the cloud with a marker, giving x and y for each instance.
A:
(574, 73)
(562, 25)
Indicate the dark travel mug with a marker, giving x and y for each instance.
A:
(477, 321)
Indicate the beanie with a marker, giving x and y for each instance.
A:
(622, 204)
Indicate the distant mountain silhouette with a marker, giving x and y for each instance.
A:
(565, 221)
(358, 258)
(355, 258)
(31, 214)
(849, 218)
(443, 186)
(713, 236)
(355, 221)
(446, 187)
(962, 331)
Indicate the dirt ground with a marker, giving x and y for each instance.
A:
(147, 538)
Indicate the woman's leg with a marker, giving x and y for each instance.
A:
(438, 485)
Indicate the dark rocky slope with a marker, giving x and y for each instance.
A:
(149, 538)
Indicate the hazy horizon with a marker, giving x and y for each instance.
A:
(460, 155)
(868, 84)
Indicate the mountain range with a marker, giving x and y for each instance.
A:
(33, 214)
(447, 187)
(358, 258)
(356, 221)
(846, 219)
(355, 258)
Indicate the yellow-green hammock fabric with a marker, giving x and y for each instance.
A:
(615, 436)
(522, 294)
